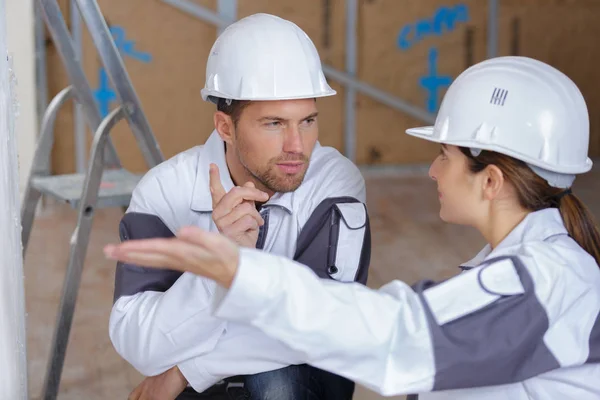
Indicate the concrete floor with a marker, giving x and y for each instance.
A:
(409, 243)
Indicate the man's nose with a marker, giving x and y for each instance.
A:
(293, 141)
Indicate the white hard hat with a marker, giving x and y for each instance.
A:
(264, 57)
(520, 107)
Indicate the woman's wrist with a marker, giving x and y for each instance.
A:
(224, 276)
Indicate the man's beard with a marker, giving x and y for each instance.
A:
(274, 181)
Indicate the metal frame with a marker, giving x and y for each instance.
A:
(79, 243)
(227, 9)
(81, 235)
(64, 44)
(492, 33)
(41, 162)
(350, 95)
(103, 154)
(78, 121)
(115, 68)
(40, 62)
(74, 52)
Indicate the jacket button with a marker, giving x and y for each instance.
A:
(332, 270)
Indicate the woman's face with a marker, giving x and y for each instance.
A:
(459, 190)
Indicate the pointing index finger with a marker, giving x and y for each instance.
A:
(217, 191)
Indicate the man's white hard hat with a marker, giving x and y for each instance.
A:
(264, 57)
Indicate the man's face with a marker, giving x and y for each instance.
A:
(273, 141)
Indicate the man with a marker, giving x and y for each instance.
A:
(263, 180)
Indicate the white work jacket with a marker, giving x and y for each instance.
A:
(162, 318)
(522, 322)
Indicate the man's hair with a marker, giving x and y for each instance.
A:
(233, 108)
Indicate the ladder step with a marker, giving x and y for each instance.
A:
(115, 189)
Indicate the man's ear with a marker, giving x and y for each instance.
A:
(224, 126)
(493, 182)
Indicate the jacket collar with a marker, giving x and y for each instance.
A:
(536, 226)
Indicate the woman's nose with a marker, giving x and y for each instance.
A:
(432, 171)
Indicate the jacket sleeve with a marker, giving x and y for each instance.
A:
(242, 350)
(159, 317)
(487, 326)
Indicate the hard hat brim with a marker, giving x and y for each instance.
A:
(428, 133)
(208, 94)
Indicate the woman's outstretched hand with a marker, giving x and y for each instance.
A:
(193, 250)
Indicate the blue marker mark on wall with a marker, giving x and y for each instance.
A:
(104, 94)
(443, 21)
(128, 46)
(434, 82)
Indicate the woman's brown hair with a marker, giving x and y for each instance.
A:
(534, 194)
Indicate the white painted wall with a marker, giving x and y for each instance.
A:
(13, 355)
(21, 46)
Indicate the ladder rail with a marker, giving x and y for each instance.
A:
(41, 162)
(115, 69)
(103, 154)
(62, 39)
(79, 244)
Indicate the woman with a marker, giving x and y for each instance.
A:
(522, 320)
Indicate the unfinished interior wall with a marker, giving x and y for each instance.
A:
(563, 33)
(13, 360)
(165, 53)
(413, 52)
(404, 44)
(411, 49)
(21, 46)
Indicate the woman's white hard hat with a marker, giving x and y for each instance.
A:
(520, 107)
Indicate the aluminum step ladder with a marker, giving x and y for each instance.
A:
(106, 183)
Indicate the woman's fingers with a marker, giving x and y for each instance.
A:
(196, 251)
(222, 252)
(210, 241)
(158, 253)
(193, 234)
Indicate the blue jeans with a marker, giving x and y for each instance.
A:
(299, 382)
(296, 382)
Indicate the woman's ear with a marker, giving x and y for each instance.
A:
(493, 182)
(224, 126)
